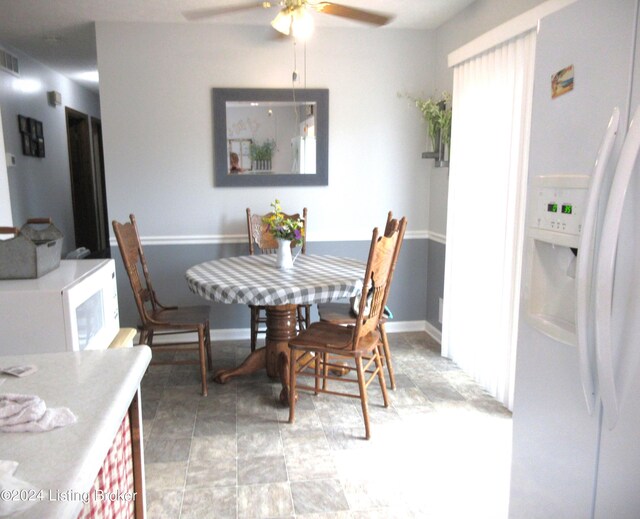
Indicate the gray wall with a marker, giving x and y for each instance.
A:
(41, 186)
(157, 123)
(435, 283)
(156, 108)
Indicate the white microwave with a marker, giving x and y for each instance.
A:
(71, 308)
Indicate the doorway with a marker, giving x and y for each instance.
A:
(88, 193)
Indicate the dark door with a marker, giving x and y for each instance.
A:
(87, 183)
(98, 167)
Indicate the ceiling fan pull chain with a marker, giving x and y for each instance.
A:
(294, 76)
(293, 83)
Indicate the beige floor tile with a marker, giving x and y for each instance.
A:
(165, 475)
(259, 501)
(164, 504)
(323, 495)
(234, 454)
(213, 503)
(317, 464)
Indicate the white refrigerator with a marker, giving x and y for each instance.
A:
(576, 413)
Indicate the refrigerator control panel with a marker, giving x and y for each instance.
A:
(557, 204)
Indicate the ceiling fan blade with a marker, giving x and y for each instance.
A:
(201, 14)
(359, 15)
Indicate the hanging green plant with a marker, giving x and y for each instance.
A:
(437, 114)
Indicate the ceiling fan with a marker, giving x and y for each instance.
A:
(294, 16)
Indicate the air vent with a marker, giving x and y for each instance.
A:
(9, 63)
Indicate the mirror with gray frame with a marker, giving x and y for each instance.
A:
(270, 137)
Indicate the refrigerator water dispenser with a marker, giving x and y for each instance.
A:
(556, 204)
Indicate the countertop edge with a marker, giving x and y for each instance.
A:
(102, 427)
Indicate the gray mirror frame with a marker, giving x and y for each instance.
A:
(220, 96)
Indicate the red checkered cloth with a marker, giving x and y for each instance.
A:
(112, 494)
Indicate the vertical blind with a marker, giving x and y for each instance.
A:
(485, 217)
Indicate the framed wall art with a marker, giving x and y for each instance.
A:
(32, 136)
(23, 124)
(26, 144)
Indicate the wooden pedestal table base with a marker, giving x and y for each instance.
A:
(281, 327)
(251, 280)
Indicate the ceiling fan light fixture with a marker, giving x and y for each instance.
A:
(282, 22)
(301, 24)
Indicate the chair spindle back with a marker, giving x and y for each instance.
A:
(134, 261)
(377, 280)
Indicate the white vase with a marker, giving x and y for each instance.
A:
(284, 259)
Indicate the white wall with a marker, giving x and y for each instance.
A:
(41, 186)
(155, 87)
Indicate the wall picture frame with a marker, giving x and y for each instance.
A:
(26, 144)
(32, 127)
(23, 125)
(40, 148)
(32, 136)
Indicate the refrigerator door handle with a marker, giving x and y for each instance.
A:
(606, 269)
(584, 269)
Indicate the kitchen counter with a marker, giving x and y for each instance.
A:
(98, 387)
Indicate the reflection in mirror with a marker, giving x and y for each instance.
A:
(270, 136)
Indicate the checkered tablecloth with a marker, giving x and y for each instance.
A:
(256, 280)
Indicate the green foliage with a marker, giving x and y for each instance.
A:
(281, 226)
(437, 114)
(262, 151)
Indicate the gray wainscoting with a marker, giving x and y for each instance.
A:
(435, 282)
(168, 263)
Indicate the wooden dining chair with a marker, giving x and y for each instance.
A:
(343, 314)
(263, 242)
(157, 319)
(312, 352)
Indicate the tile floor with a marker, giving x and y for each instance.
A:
(441, 450)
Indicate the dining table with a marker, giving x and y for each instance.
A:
(256, 280)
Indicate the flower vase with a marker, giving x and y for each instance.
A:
(284, 259)
(442, 160)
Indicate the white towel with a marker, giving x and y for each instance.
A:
(14, 487)
(29, 413)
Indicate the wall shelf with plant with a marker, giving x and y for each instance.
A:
(437, 114)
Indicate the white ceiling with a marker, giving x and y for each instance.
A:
(61, 34)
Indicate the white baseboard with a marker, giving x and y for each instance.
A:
(236, 334)
(414, 326)
(405, 326)
(433, 331)
(228, 334)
